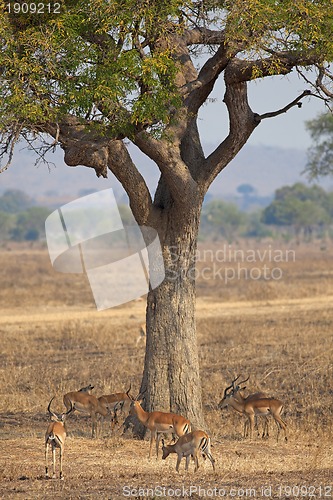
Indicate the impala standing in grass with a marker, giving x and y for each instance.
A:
(119, 401)
(251, 397)
(256, 407)
(159, 423)
(55, 437)
(190, 445)
(84, 402)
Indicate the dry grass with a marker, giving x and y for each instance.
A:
(53, 340)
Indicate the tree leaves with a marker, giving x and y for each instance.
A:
(117, 64)
(298, 205)
(320, 157)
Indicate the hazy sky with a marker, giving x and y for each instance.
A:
(269, 94)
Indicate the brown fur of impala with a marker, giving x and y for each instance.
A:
(84, 402)
(257, 407)
(235, 392)
(159, 422)
(142, 334)
(119, 401)
(55, 437)
(190, 445)
(253, 397)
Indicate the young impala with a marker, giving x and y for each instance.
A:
(84, 402)
(257, 395)
(256, 407)
(159, 423)
(190, 445)
(55, 437)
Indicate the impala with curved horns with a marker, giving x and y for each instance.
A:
(84, 402)
(256, 407)
(251, 397)
(119, 401)
(190, 445)
(159, 423)
(55, 437)
(87, 388)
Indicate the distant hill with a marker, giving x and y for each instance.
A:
(263, 167)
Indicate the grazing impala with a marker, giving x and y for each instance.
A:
(55, 438)
(84, 402)
(119, 401)
(257, 395)
(159, 422)
(256, 407)
(190, 445)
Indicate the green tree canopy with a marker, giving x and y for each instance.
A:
(114, 66)
(15, 200)
(298, 205)
(30, 225)
(222, 219)
(6, 224)
(320, 158)
(246, 189)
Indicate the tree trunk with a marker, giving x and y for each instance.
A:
(171, 380)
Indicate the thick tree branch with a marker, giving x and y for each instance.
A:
(197, 91)
(242, 122)
(199, 36)
(121, 165)
(84, 146)
(191, 149)
(168, 159)
(281, 63)
(181, 55)
(193, 85)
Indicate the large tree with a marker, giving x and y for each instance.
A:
(90, 75)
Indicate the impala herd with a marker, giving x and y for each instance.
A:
(190, 443)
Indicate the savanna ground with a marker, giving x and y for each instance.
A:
(277, 330)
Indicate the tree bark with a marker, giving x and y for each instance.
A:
(171, 379)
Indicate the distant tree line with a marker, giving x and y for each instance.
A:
(20, 218)
(300, 211)
(296, 211)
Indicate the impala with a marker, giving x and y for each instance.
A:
(55, 437)
(142, 334)
(190, 445)
(159, 422)
(84, 402)
(251, 397)
(119, 401)
(256, 407)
